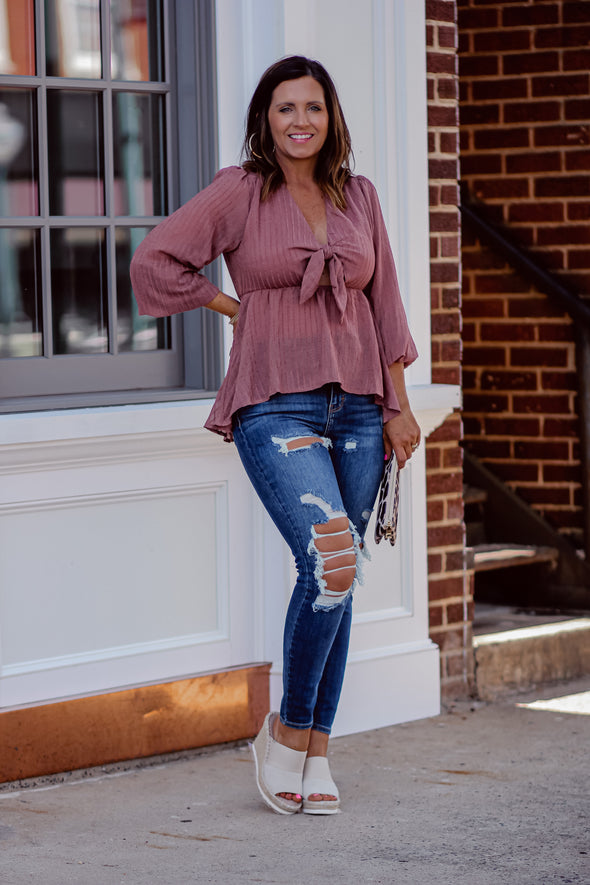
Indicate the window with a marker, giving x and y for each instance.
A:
(93, 153)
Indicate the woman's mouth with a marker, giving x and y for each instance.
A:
(303, 137)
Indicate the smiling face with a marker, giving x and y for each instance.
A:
(298, 119)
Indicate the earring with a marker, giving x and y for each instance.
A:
(252, 151)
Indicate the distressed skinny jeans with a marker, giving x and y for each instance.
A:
(315, 459)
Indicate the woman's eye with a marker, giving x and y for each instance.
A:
(284, 110)
(315, 107)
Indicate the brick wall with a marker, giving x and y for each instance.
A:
(449, 587)
(525, 135)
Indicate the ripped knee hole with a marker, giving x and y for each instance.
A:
(334, 544)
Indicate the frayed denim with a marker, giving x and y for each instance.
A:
(312, 458)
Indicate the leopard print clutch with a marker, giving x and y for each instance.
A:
(388, 503)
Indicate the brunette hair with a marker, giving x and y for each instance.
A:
(332, 169)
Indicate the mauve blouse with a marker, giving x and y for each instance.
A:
(293, 335)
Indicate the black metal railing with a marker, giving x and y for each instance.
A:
(503, 243)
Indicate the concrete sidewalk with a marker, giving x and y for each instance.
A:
(485, 794)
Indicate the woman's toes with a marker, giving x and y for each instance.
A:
(321, 797)
(291, 797)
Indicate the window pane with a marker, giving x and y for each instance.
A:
(136, 40)
(135, 332)
(20, 293)
(138, 144)
(17, 38)
(72, 38)
(18, 153)
(79, 290)
(75, 151)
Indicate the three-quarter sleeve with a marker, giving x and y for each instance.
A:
(395, 340)
(166, 267)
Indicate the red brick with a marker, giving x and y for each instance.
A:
(443, 116)
(538, 356)
(435, 616)
(576, 59)
(512, 426)
(441, 62)
(447, 37)
(578, 109)
(539, 306)
(509, 283)
(578, 211)
(454, 562)
(501, 188)
(449, 194)
(447, 88)
(455, 613)
(487, 90)
(575, 160)
(449, 142)
(561, 135)
(444, 483)
(451, 298)
(485, 356)
(528, 15)
(530, 62)
(477, 18)
(559, 381)
(507, 332)
(562, 473)
(569, 427)
(556, 331)
(435, 511)
(441, 10)
(517, 472)
(567, 234)
(531, 111)
(479, 115)
(574, 11)
(579, 258)
(450, 351)
(482, 259)
(536, 211)
(484, 448)
(541, 451)
(546, 38)
(543, 495)
(548, 404)
(485, 402)
(502, 41)
(508, 381)
(444, 273)
(443, 169)
(446, 588)
(568, 85)
(481, 164)
(479, 66)
(490, 139)
(449, 431)
(446, 375)
(535, 161)
(444, 221)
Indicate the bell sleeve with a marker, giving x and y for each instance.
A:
(395, 341)
(166, 267)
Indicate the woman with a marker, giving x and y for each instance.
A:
(314, 394)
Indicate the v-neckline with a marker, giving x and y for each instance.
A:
(304, 219)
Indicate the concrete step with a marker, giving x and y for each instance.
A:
(522, 651)
(485, 557)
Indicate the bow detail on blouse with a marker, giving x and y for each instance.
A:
(313, 273)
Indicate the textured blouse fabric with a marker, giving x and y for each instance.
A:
(293, 334)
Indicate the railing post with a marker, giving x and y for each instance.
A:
(583, 361)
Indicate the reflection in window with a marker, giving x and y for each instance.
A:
(18, 167)
(20, 293)
(138, 144)
(136, 45)
(135, 332)
(79, 290)
(72, 38)
(75, 153)
(17, 37)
